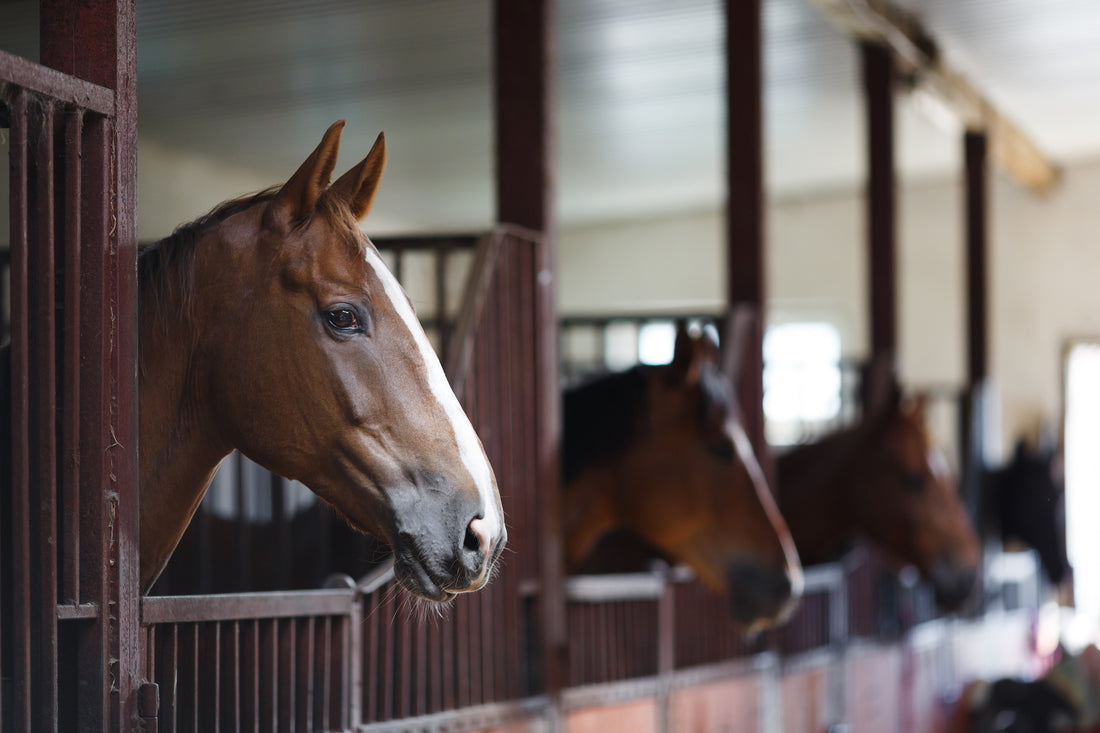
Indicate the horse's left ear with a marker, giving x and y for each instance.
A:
(358, 186)
(297, 199)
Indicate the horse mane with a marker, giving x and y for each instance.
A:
(165, 271)
(165, 267)
(600, 418)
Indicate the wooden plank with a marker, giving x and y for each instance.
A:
(919, 57)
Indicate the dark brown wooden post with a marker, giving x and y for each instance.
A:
(973, 415)
(878, 83)
(745, 205)
(977, 176)
(523, 97)
(96, 40)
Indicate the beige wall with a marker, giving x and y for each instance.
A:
(1045, 262)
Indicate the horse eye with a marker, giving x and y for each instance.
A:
(343, 319)
(913, 480)
(723, 451)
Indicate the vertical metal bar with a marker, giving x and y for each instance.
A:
(878, 81)
(43, 397)
(70, 433)
(21, 651)
(354, 689)
(327, 676)
(287, 673)
(305, 672)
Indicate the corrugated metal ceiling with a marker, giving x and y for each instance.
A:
(251, 84)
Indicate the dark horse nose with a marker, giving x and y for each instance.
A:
(952, 583)
(757, 593)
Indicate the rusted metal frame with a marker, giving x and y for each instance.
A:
(95, 41)
(19, 72)
(878, 81)
(70, 431)
(745, 278)
(20, 701)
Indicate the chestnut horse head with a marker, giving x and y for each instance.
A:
(659, 451)
(884, 479)
(272, 326)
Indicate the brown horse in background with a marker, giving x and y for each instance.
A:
(272, 326)
(659, 451)
(885, 480)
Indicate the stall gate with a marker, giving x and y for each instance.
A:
(67, 564)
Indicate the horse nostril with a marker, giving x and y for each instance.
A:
(471, 541)
(477, 539)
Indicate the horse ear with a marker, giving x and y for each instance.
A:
(683, 350)
(297, 199)
(357, 186)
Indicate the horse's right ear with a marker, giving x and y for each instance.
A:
(297, 199)
(683, 351)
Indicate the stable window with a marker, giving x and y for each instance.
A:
(802, 381)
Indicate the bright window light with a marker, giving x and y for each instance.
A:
(802, 379)
(656, 342)
(1082, 466)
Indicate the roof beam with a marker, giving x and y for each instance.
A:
(919, 59)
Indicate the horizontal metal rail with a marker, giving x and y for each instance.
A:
(19, 72)
(242, 606)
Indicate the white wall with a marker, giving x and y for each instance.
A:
(1045, 264)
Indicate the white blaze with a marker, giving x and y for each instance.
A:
(469, 447)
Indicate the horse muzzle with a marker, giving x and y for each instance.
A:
(952, 583)
(760, 597)
(437, 556)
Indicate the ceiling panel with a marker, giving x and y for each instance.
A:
(249, 86)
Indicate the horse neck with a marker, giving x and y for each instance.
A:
(599, 419)
(816, 486)
(180, 444)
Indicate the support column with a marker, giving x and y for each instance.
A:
(95, 40)
(523, 98)
(977, 337)
(878, 83)
(745, 208)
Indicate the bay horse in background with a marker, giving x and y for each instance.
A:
(1023, 502)
(271, 325)
(659, 451)
(882, 479)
